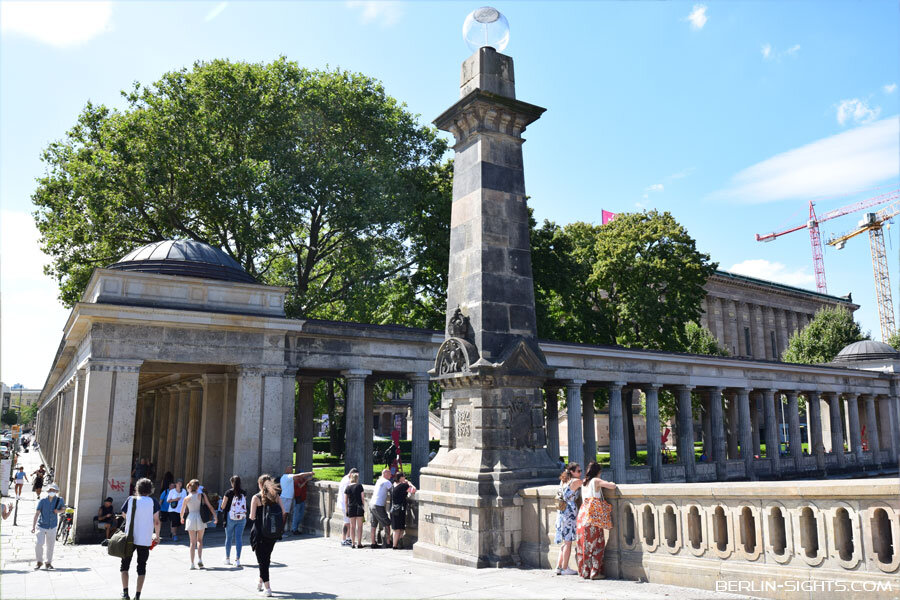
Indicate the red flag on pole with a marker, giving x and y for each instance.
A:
(607, 216)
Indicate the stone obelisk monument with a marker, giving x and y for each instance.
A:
(490, 366)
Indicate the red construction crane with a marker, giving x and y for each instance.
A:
(813, 225)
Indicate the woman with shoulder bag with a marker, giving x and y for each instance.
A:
(594, 516)
(262, 541)
(193, 521)
(142, 526)
(234, 507)
(569, 484)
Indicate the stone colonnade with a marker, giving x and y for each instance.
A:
(734, 431)
(749, 329)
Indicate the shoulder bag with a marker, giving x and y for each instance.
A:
(121, 545)
(561, 503)
(605, 512)
(205, 514)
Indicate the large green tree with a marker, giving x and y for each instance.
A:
(305, 177)
(820, 341)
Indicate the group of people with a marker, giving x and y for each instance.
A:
(351, 495)
(582, 520)
(37, 481)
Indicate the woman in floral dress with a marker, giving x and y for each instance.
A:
(593, 517)
(569, 482)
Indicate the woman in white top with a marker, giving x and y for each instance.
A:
(592, 520)
(146, 532)
(194, 524)
(234, 505)
(174, 501)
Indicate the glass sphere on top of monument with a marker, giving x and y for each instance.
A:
(486, 26)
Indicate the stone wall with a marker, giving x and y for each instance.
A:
(835, 539)
(324, 516)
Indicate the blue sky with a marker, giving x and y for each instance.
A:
(731, 115)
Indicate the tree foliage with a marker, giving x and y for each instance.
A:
(9, 417)
(820, 341)
(700, 340)
(307, 178)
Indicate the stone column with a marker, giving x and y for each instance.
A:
(305, 424)
(710, 303)
(872, 428)
(654, 452)
(706, 426)
(158, 411)
(274, 426)
(295, 419)
(589, 426)
(247, 417)
(794, 430)
(732, 425)
(768, 324)
(552, 394)
(825, 423)
(147, 429)
(837, 433)
(746, 432)
(721, 322)
(354, 454)
(618, 457)
(759, 335)
(772, 445)
(368, 440)
(717, 421)
(852, 404)
(816, 446)
(75, 442)
(107, 441)
(574, 413)
(754, 422)
(192, 461)
(228, 425)
(181, 432)
(420, 437)
(734, 317)
(686, 433)
(212, 434)
(174, 402)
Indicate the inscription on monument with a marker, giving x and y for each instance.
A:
(520, 421)
(463, 422)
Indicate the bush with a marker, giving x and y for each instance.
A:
(322, 445)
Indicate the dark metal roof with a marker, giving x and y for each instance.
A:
(186, 258)
(866, 350)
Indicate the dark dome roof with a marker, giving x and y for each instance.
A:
(186, 258)
(866, 350)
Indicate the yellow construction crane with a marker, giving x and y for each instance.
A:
(874, 224)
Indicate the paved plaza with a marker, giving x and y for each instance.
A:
(305, 567)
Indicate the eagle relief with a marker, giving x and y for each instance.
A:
(458, 325)
(452, 358)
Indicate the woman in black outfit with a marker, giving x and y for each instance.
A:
(399, 493)
(356, 500)
(269, 493)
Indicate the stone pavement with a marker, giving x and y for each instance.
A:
(304, 567)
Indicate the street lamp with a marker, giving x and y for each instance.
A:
(486, 26)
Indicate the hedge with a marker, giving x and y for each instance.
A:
(322, 445)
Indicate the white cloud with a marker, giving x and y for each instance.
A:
(773, 271)
(32, 317)
(857, 159)
(697, 17)
(680, 174)
(890, 88)
(56, 23)
(770, 53)
(216, 11)
(656, 187)
(386, 12)
(856, 110)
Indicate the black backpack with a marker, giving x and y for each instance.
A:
(389, 455)
(272, 522)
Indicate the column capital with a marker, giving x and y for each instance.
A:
(650, 386)
(791, 393)
(109, 364)
(356, 374)
(574, 383)
(616, 384)
(418, 378)
(683, 388)
(212, 378)
(305, 380)
(850, 395)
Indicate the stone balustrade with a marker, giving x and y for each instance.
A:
(822, 539)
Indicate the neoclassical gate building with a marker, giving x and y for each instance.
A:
(177, 355)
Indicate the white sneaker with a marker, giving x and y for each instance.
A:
(237, 563)
(558, 571)
(569, 572)
(227, 561)
(193, 567)
(268, 594)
